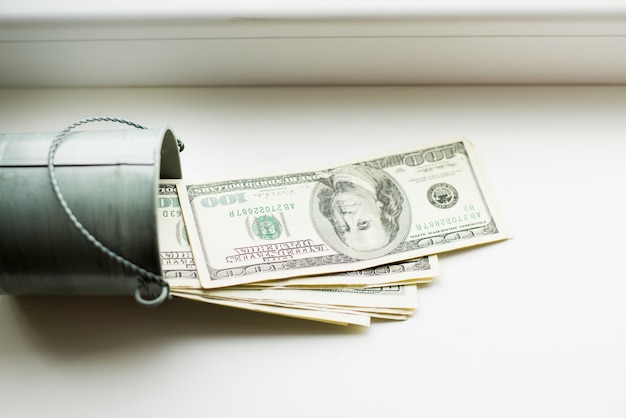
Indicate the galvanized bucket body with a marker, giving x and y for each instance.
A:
(110, 181)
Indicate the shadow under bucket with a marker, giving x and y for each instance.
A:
(109, 180)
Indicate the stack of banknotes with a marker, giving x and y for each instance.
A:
(341, 244)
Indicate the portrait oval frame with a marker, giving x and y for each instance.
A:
(325, 228)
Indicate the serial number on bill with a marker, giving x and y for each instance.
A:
(451, 220)
(259, 210)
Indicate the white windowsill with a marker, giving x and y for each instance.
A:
(121, 44)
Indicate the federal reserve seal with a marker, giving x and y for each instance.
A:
(267, 227)
(442, 195)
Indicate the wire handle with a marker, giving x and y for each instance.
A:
(153, 284)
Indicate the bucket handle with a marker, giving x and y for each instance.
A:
(148, 281)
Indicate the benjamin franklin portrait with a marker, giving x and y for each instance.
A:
(364, 207)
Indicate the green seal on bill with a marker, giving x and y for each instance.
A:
(267, 227)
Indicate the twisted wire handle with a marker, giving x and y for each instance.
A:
(145, 277)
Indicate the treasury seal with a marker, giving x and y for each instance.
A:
(442, 195)
(267, 227)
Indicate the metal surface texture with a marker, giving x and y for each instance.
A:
(109, 180)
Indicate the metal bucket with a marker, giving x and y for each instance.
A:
(109, 180)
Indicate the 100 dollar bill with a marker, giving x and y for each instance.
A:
(179, 267)
(348, 217)
(177, 261)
